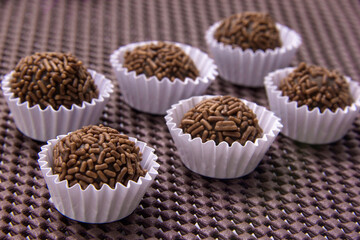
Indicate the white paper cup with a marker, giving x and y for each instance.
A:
(92, 205)
(155, 96)
(46, 124)
(221, 161)
(246, 67)
(306, 126)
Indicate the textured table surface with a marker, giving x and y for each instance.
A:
(298, 191)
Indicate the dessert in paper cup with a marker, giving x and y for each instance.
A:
(153, 85)
(92, 192)
(41, 117)
(217, 155)
(245, 61)
(314, 123)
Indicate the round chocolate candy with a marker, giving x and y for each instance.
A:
(52, 79)
(249, 30)
(316, 87)
(220, 119)
(161, 60)
(97, 155)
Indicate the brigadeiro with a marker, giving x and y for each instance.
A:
(154, 75)
(249, 30)
(317, 105)
(52, 79)
(248, 45)
(97, 155)
(222, 119)
(221, 136)
(316, 87)
(163, 60)
(95, 163)
(51, 93)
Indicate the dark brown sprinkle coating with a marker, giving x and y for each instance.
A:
(97, 155)
(161, 60)
(52, 79)
(249, 30)
(220, 119)
(316, 87)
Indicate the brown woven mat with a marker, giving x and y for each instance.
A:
(298, 191)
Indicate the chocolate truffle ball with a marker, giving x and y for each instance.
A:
(52, 79)
(220, 119)
(249, 30)
(316, 87)
(161, 60)
(97, 155)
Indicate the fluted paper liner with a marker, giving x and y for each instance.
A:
(306, 126)
(246, 67)
(155, 96)
(46, 124)
(92, 205)
(221, 161)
